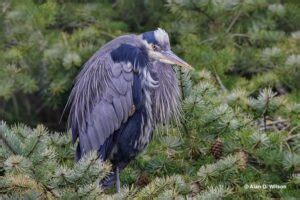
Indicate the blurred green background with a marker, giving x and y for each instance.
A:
(249, 44)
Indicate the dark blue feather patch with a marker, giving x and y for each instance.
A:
(128, 53)
(137, 92)
(150, 37)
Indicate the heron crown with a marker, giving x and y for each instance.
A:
(161, 36)
(158, 37)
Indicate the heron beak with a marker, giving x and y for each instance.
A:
(171, 58)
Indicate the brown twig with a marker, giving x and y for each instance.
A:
(220, 82)
(233, 22)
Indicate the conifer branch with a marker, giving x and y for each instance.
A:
(11, 142)
(7, 144)
(196, 8)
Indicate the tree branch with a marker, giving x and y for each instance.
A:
(196, 8)
(11, 148)
(233, 22)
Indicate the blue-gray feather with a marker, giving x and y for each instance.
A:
(102, 91)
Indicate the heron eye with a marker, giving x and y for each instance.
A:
(154, 47)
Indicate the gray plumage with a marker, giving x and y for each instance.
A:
(102, 99)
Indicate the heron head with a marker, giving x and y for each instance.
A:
(158, 47)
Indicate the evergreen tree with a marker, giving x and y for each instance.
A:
(39, 165)
(43, 46)
(179, 162)
(240, 123)
(244, 40)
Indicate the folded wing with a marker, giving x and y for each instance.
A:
(101, 101)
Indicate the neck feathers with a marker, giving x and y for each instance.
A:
(166, 100)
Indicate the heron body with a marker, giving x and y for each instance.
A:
(124, 90)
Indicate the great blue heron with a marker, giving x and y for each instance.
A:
(123, 91)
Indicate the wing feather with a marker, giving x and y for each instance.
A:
(101, 102)
(128, 76)
(120, 84)
(116, 70)
(101, 98)
(118, 108)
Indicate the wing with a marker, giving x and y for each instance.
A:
(102, 96)
(102, 101)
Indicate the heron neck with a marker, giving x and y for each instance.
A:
(166, 102)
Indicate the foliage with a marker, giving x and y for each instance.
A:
(246, 100)
(43, 47)
(255, 43)
(40, 165)
(247, 44)
(35, 162)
